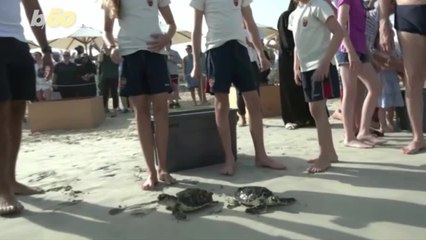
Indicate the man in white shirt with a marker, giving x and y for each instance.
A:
(17, 85)
(228, 62)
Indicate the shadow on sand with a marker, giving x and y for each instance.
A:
(93, 221)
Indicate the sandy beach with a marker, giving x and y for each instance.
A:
(93, 177)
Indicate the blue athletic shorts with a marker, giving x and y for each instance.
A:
(146, 73)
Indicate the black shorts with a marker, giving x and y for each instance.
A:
(17, 73)
(343, 58)
(321, 90)
(146, 73)
(411, 18)
(257, 74)
(230, 64)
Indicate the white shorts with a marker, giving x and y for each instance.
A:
(42, 84)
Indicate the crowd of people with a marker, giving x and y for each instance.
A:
(316, 38)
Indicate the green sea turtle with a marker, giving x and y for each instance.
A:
(185, 201)
(257, 199)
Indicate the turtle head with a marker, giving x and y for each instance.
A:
(167, 200)
(273, 200)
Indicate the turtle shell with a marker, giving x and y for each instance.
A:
(251, 194)
(194, 198)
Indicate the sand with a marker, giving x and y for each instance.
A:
(92, 179)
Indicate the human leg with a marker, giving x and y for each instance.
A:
(222, 123)
(16, 113)
(114, 93)
(370, 79)
(161, 117)
(256, 130)
(349, 81)
(241, 109)
(327, 154)
(105, 87)
(8, 204)
(414, 52)
(141, 107)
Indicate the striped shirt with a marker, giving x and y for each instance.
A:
(372, 28)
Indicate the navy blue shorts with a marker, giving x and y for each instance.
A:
(411, 18)
(230, 64)
(257, 75)
(17, 73)
(146, 73)
(343, 58)
(321, 90)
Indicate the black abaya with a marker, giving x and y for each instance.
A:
(294, 109)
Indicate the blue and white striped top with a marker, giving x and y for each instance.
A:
(372, 28)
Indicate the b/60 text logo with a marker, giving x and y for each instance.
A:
(57, 18)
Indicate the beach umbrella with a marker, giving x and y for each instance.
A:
(83, 36)
(266, 31)
(181, 36)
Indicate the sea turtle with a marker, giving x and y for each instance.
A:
(257, 199)
(188, 200)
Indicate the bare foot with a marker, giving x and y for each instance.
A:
(357, 144)
(320, 165)
(386, 129)
(228, 168)
(150, 182)
(166, 178)
(414, 148)
(337, 115)
(333, 158)
(269, 163)
(24, 190)
(9, 206)
(371, 139)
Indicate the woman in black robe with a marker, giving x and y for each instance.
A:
(294, 109)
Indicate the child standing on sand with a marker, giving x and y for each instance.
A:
(312, 23)
(228, 62)
(142, 47)
(389, 70)
(354, 62)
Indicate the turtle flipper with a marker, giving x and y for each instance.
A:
(232, 203)
(257, 210)
(287, 201)
(179, 214)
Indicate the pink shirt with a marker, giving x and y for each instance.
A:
(356, 25)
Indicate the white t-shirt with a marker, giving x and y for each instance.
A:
(224, 20)
(41, 83)
(10, 20)
(251, 51)
(172, 64)
(311, 35)
(139, 19)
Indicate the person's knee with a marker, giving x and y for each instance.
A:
(252, 99)
(318, 110)
(141, 105)
(222, 103)
(160, 108)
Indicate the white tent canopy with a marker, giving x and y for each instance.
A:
(83, 36)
